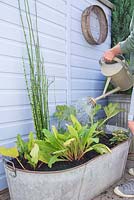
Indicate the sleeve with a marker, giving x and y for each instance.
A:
(131, 110)
(127, 45)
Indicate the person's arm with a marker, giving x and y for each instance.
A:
(111, 53)
(125, 46)
(131, 126)
(131, 113)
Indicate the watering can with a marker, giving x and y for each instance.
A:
(117, 72)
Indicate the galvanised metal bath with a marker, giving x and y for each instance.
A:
(79, 183)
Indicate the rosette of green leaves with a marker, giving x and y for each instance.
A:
(70, 146)
(25, 150)
(119, 136)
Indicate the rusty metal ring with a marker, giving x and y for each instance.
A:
(86, 24)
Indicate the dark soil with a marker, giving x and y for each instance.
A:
(65, 164)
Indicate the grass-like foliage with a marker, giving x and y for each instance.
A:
(37, 87)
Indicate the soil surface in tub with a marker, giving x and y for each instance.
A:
(66, 164)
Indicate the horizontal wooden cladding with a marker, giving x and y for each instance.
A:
(76, 14)
(10, 98)
(15, 49)
(88, 74)
(78, 38)
(49, 14)
(76, 22)
(20, 98)
(81, 5)
(82, 51)
(12, 32)
(85, 63)
(12, 65)
(79, 94)
(18, 83)
(13, 129)
(45, 27)
(58, 5)
(18, 114)
(10, 114)
(79, 84)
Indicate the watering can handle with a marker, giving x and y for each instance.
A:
(101, 61)
(117, 60)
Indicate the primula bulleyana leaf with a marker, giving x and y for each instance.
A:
(62, 137)
(44, 157)
(89, 135)
(53, 160)
(55, 131)
(10, 152)
(31, 141)
(21, 145)
(35, 154)
(92, 129)
(50, 138)
(69, 142)
(95, 109)
(92, 140)
(112, 109)
(46, 133)
(72, 131)
(63, 112)
(101, 148)
(60, 151)
(76, 123)
(46, 147)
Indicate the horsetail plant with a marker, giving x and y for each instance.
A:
(37, 87)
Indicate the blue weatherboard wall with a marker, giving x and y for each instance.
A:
(70, 62)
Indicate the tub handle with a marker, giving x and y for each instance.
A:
(12, 167)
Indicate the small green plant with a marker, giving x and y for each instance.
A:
(73, 145)
(119, 136)
(28, 151)
(63, 113)
(110, 111)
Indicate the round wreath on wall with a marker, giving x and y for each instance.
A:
(94, 25)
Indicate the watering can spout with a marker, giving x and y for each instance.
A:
(117, 72)
(93, 101)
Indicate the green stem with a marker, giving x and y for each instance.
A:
(20, 163)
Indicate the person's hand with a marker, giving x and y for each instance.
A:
(108, 55)
(131, 126)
